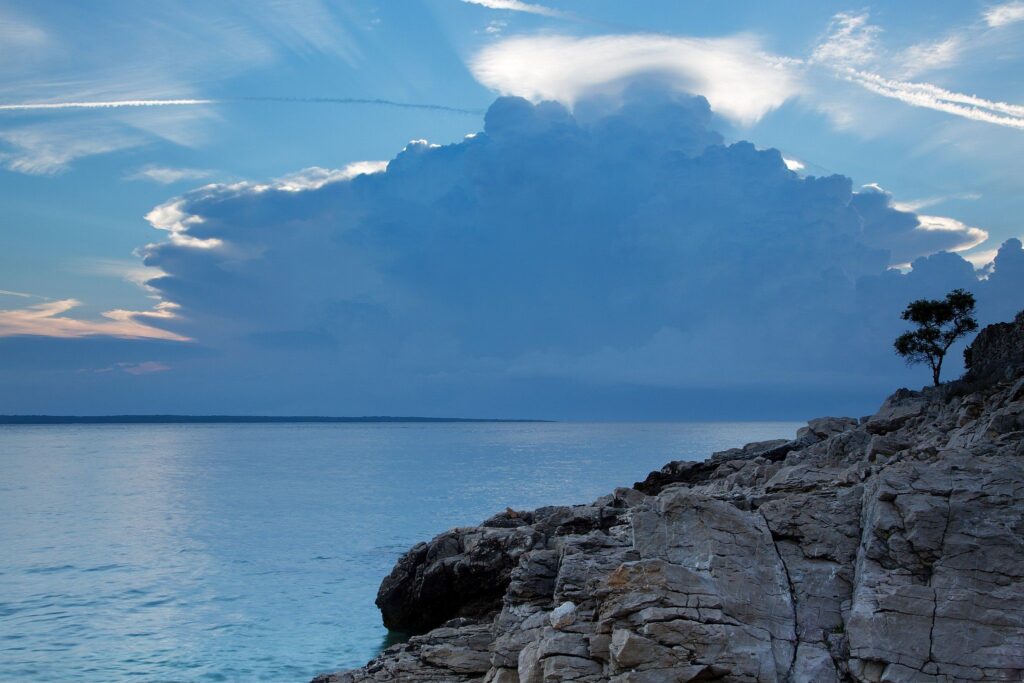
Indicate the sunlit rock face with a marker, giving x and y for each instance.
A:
(889, 548)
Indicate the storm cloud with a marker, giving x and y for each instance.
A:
(616, 260)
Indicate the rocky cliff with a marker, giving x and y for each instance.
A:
(889, 548)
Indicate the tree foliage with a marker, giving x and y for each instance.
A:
(939, 323)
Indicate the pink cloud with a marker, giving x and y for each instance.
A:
(47, 320)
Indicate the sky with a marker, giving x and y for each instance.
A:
(577, 209)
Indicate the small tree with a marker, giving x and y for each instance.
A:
(940, 322)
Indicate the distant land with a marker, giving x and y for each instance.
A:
(222, 419)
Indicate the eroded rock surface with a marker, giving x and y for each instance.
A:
(884, 549)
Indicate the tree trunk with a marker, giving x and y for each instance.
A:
(936, 371)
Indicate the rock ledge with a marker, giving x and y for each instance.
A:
(884, 549)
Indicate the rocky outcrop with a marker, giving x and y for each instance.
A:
(884, 549)
(997, 350)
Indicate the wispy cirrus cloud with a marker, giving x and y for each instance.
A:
(21, 295)
(931, 55)
(518, 6)
(850, 40)
(1007, 13)
(81, 59)
(16, 33)
(48, 320)
(851, 49)
(167, 176)
(187, 102)
(923, 203)
(128, 271)
(41, 149)
(49, 147)
(144, 368)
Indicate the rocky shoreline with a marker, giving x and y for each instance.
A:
(889, 548)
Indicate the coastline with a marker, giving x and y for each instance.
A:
(887, 548)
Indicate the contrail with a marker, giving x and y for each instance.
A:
(114, 104)
(23, 295)
(933, 97)
(355, 100)
(111, 104)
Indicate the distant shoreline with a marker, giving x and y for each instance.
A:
(225, 419)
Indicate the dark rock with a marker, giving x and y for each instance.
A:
(461, 573)
(997, 351)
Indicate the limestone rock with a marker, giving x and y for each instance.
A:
(563, 615)
(890, 549)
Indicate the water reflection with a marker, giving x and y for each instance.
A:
(227, 552)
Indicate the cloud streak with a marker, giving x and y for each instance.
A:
(50, 147)
(48, 320)
(140, 103)
(517, 6)
(40, 149)
(356, 100)
(108, 104)
(166, 176)
(852, 51)
(933, 97)
(1004, 14)
(144, 368)
(918, 204)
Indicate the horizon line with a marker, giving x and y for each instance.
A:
(236, 419)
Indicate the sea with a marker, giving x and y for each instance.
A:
(253, 552)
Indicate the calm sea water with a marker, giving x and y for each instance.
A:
(254, 552)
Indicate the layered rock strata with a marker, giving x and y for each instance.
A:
(889, 548)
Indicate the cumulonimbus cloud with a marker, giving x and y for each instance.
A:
(610, 259)
(543, 242)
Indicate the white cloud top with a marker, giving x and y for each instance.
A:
(741, 81)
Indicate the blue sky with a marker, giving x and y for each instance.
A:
(108, 113)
